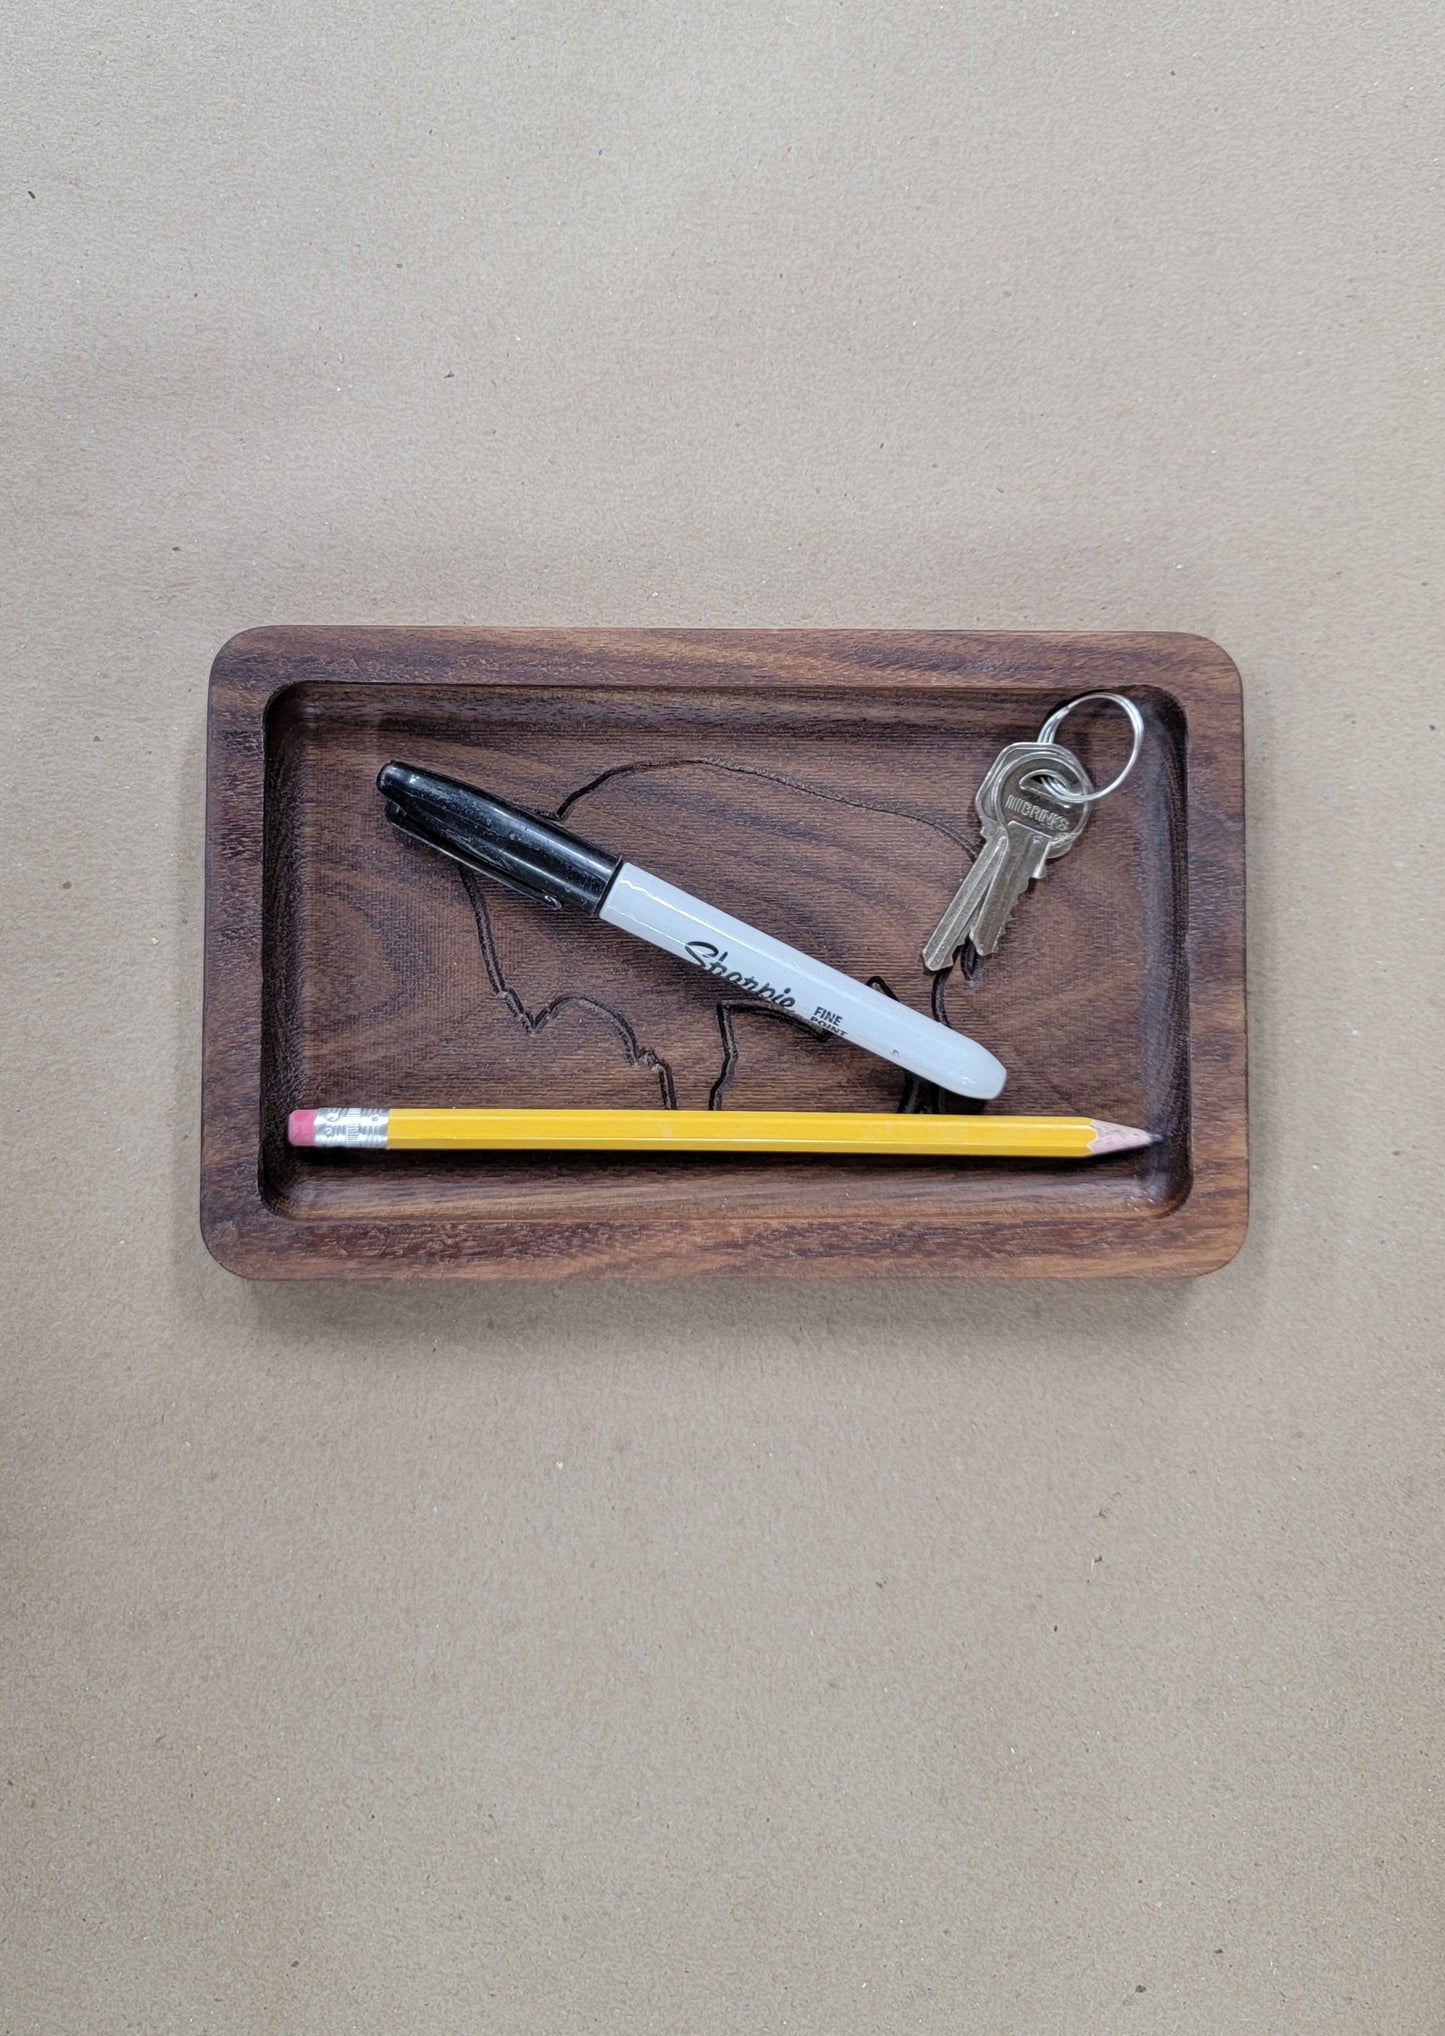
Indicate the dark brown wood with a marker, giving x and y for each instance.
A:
(819, 783)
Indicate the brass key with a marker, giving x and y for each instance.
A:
(1025, 828)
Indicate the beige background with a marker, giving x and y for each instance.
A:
(721, 1658)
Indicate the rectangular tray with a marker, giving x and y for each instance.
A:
(818, 783)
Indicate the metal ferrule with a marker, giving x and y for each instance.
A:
(351, 1127)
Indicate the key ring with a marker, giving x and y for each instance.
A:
(1051, 728)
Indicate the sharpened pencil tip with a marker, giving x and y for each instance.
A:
(1118, 1137)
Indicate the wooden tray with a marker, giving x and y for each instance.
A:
(819, 783)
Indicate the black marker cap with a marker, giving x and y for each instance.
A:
(516, 848)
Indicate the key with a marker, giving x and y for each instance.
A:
(1038, 829)
(953, 928)
(1025, 827)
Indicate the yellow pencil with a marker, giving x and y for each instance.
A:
(779, 1131)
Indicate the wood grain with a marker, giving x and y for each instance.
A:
(819, 784)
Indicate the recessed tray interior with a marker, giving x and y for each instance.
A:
(839, 819)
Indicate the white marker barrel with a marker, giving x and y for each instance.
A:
(753, 964)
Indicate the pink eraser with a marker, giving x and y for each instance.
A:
(301, 1127)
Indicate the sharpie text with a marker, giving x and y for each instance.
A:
(715, 961)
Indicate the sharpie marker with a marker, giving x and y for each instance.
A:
(555, 868)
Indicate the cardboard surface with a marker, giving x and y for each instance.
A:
(721, 1657)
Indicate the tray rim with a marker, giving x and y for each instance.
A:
(247, 1236)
